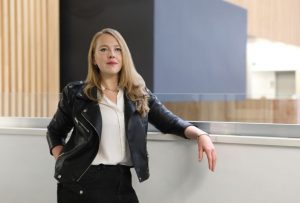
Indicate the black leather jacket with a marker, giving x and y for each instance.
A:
(75, 111)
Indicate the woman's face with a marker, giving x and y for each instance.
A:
(108, 55)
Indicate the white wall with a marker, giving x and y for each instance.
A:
(245, 173)
(267, 56)
(26, 170)
(263, 84)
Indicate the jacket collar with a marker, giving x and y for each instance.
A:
(129, 105)
(92, 113)
(81, 95)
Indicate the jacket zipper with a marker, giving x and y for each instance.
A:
(79, 123)
(78, 179)
(88, 121)
(66, 153)
(60, 155)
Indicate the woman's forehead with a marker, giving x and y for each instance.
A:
(107, 40)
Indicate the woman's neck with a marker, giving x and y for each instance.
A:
(110, 83)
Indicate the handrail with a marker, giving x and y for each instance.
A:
(218, 128)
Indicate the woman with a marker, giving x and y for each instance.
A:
(109, 115)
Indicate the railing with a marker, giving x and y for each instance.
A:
(191, 106)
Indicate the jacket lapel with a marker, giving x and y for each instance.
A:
(92, 115)
(129, 108)
(91, 112)
(133, 125)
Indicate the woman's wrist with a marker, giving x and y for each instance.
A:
(193, 132)
(201, 134)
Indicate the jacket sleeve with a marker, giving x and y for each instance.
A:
(163, 119)
(61, 123)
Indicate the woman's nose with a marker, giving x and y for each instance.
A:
(112, 54)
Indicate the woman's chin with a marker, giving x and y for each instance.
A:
(110, 72)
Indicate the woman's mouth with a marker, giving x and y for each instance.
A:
(112, 62)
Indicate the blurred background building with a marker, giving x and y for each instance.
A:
(233, 60)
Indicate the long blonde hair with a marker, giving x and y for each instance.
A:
(129, 79)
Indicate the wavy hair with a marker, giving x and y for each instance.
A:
(129, 79)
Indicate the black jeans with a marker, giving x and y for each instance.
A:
(100, 184)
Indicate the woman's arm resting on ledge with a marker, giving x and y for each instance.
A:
(204, 145)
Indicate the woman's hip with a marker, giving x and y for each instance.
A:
(100, 184)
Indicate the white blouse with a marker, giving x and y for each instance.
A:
(113, 147)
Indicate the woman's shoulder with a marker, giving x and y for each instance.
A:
(73, 87)
(75, 84)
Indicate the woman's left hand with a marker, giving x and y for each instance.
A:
(205, 145)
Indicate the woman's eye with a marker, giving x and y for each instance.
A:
(103, 49)
(118, 49)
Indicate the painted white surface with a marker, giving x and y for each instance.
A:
(245, 172)
(26, 170)
(263, 85)
(264, 58)
(265, 55)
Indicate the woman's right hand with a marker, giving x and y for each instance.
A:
(56, 151)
